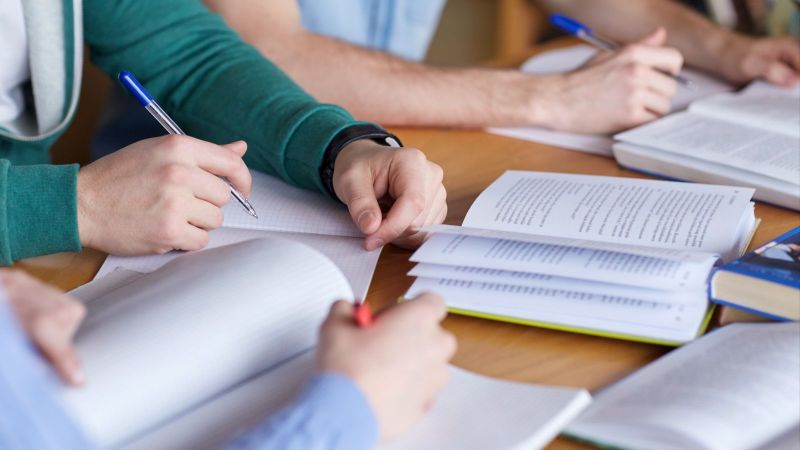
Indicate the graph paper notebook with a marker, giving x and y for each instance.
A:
(615, 257)
(227, 335)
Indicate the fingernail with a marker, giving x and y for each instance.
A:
(365, 219)
(375, 243)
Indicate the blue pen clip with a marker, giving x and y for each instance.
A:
(569, 24)
(135, 88)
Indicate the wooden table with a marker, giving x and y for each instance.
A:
(471, 161)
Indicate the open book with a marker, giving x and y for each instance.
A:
(286, 212)
(572, 58)
(736, 389)
(212, 342)
(609, 256)
(751, 138)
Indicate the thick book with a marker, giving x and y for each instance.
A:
(213, 342)
(766, 281)
(750, 138)
(617, 257)
(737, 388)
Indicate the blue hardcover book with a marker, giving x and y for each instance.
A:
(765, 281)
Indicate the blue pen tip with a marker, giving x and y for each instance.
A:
(135, 88)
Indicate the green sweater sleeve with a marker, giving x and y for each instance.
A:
(214, 85)
(40, 210)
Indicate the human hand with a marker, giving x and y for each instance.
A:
(743, 59)
(158, 195)
(50, 318)
(366, 173)
(399, 362)
(614, 91)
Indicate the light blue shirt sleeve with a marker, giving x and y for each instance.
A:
(330, 414)
(30, 415)
(404, 28)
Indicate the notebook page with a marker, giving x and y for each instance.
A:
(282, 207)
(736, 388)
(564, 261)
(534, 421)
(649, 213)
(744, 147)
(760, 105)
(202, 323)
(357, 264)
(538, 280)
(581, 310)
(571, 58)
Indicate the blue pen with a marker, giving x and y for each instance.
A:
(145, 99)
(585, 34)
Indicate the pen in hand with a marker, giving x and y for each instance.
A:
(585, 34)
(362, 313)
(145, 99)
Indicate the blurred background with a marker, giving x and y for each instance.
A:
(471, 32)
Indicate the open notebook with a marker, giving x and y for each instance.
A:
(212, 342)
(736, 389)
(571, 58)
(284, 211)
(750, 138)
(618, 257)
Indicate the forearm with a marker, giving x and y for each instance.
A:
(330, 414)
(218, 88)
(373, 85)
(699, 40)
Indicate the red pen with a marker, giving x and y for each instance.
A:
(362, 313)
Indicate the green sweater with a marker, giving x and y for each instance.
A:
(214, 85)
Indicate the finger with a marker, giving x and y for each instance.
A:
(356, 190)
(423, 306)
(209, 188)
(655, 39)
(191, 238)
(661, 83)
(781, 74)
(205, 215)
(655, 103)
(341, 313)
(663, 58)
(435, 216)
(65, 361)
(219, 160)
(408, 187)
(238, 147)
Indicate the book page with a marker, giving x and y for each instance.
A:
(650, 213)
(563, 261)
(761, 105)
(283, 207)
(571, 58)
(357, 264)
(466, 399)
(741, 146)
(736, 388)
(575, 311)
(676, 295)
(204, 322)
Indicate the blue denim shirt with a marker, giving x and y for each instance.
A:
(402, 27)
(330, 414)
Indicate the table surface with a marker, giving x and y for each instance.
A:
(471, 161)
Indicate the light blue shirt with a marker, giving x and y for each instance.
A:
(401, 27)
(330, 413)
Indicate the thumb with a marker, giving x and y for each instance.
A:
(341, 311)
(238, 147)
(655, 39)
(359, 196)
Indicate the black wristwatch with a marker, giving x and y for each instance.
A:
(346, 137)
